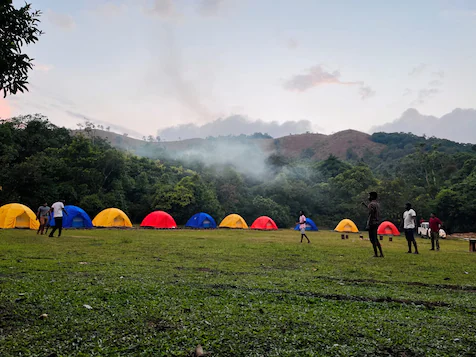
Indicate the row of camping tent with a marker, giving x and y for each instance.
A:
(16, 215)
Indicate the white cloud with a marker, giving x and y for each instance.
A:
(210, 7)
(425, 94)
(234, 125)
(315, 76)
(439, 74)
(318, 76)
(458, 125)
(416, 71)
(64, 21)
(366, 92)
(111, 9)
(43, 67)
(164, 8)
(435, 83)
(292, 43)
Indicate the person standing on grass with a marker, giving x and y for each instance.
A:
(302, 226)
(409, 225)
(435, 225)
(57, 209)
(43, 215)
(373, 222)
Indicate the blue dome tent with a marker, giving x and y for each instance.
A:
(310, 225)
(76, 218)
(201, 220)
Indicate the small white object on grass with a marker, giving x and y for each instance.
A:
(89, 307)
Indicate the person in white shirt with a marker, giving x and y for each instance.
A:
(409, 224)
(57, 209)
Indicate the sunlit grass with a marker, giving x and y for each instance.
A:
(240, 293)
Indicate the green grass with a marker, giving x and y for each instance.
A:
(237, 293)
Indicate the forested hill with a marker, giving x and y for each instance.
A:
(251, 176)
(345, 145)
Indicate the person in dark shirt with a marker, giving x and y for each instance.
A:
(42, 215)
(435, 225)
(373, 221)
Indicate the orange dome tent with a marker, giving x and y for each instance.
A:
(388, 228)
(233, 221)
(16, 215)
(112, 217)
(346, 225)
(264, 223)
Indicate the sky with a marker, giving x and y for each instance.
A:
(141, 66)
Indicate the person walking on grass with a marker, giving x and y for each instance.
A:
(409, 225)
(43, 215)
(373, 222)
(435, 225)
(57, 209)
(302, 226)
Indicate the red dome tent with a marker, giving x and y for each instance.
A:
(264, 223)
(388, 228)
(159, 219)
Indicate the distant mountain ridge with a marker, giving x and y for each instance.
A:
(458, 125)
(343, 144)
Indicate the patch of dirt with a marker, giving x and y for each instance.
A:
(463, 235)
(81, 236)
(338, 297)
(9, 320)
(466, 288)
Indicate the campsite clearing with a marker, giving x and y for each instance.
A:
(235, 292)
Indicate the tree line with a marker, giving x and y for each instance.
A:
(42, 162)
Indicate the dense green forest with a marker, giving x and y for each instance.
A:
(40, 161)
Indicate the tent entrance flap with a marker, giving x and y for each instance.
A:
(238, 224)
(23, 221)
(77, 222)
(119, 221)
(206, 223)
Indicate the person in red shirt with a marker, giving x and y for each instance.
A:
(435, 225)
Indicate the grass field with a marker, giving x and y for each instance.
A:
(237, 293)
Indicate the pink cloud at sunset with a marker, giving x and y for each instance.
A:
(5, 110)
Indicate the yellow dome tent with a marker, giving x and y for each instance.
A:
(15, 215)
(112, 217)
(346, 225)
(233, 221)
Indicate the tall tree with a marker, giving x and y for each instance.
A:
(18, 27)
